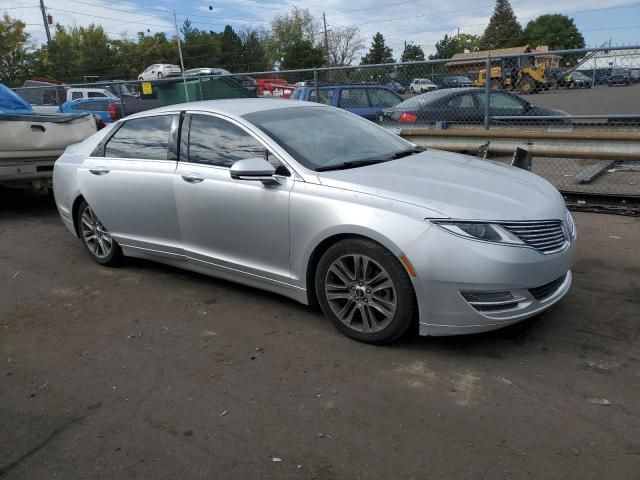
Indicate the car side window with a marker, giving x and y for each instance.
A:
(461, 101)
(382, 98)
(145, 138)
(96, 95)
(326, 95)
(76, 95)
(214, 141)
(353, 98)
(502, 101)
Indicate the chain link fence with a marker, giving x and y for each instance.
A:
(575, 113)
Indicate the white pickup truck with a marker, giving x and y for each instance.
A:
(30, 143)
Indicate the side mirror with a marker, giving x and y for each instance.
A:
(255, 169)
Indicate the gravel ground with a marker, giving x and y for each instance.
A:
(146, 371)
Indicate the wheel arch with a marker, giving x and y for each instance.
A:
(327, 242)
(74, 212)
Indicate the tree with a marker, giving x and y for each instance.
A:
(230, 49)
(289, 29)
(503, 30)
(448, 46)
(302, 54)
(15, 60)
(412, 53)
(344, 45)
(200, 47)
(378, 53)
(254, 55)
(557, 31)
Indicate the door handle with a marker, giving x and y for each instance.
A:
(99, 171)
(192, 178)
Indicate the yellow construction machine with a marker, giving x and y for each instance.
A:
(526, 79)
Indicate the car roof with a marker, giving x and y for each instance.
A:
(233, 106)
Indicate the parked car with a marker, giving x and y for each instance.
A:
(75, 93)
(455, 81)
(635, 75)
(619, 76)
(380, 232)
(160, 70)
(365, 100)
(467, 105)
(205, 72)
(30, 142)
(421, 85)
(396, 87)
(247, 82)
(580, 80)
(107, 110)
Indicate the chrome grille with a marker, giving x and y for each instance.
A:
(546, 236)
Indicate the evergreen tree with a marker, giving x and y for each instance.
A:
(302, 54)
(412, 53)
(378, 53)
(503, 30)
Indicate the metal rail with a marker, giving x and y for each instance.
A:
(583, 143)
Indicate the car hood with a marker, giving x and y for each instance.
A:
(456, 186)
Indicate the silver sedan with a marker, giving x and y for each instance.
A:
(319, 205)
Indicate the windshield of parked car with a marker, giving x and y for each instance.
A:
(320, 138)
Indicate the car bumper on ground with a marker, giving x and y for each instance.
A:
(470, 286)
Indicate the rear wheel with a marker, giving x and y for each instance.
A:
(160, 75)
(96, 238)
(365, 291)
(527, 85)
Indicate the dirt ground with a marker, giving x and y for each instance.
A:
(146, 371)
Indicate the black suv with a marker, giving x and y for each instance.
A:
(619, 76)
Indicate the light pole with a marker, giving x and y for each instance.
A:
(184, 80)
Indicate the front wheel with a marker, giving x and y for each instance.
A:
(96, 238)
(160, 75)
(365, 291)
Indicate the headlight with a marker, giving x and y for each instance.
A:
(487, 232)
(571, 226)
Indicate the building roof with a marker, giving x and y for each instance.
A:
(476, 57)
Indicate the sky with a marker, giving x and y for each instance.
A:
(422, 22)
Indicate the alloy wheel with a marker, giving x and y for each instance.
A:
(360, 293)
(95, 235)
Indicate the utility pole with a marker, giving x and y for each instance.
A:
(326, 39)
(46, 21)
(184, 80)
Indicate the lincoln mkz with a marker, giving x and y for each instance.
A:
(319, 205)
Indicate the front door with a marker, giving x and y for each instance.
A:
(129, 184)
(236, 227)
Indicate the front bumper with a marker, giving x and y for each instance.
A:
(447, 265)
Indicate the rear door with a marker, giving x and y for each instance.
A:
(128, 181)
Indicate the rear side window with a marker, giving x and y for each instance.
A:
(76, 95)
(382, 98)
(214, 141)
(96, 95)
(145, 138)
(353, 98)
(326, 95)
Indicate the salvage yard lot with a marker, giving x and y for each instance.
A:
(146, 371)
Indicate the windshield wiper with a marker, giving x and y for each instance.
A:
(407, 152)
(351, 164)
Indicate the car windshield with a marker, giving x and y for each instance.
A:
(461, 79)
(580, 76)
(320, 138)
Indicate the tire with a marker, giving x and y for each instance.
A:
(160, 75)
(527, 86)
(140, 79)
(376, 307)
(102, 248)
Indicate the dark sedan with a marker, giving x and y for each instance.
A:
(467, 105)
(455, 81)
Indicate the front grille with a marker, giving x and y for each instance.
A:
(547, 236)
(548, 289)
